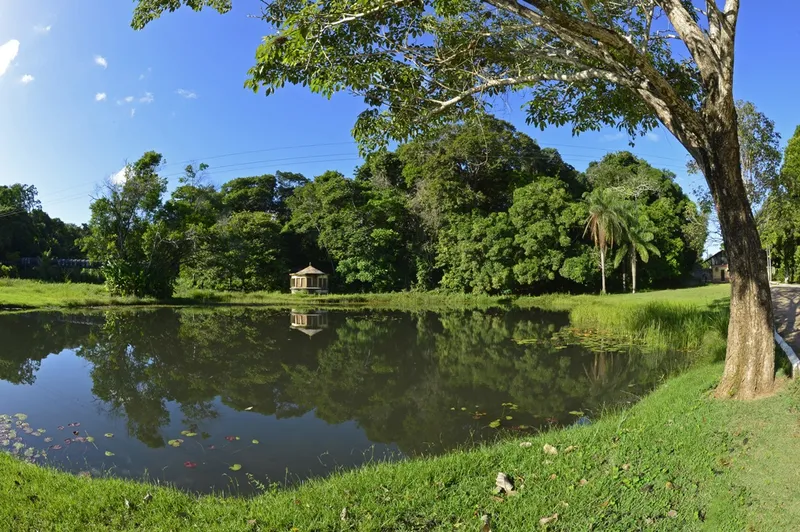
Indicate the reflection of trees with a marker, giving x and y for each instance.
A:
(399, 376)
(29, 338)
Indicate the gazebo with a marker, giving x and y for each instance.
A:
(309, 281)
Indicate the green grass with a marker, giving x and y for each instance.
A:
(678, 460)
(17, 294)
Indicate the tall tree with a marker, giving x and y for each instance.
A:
(628, 64)
(128, 236)
(636, 241)
(606, 223)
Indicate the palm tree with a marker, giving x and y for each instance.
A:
(606, 222)
(636, 241)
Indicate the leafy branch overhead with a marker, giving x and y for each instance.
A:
(419, 63)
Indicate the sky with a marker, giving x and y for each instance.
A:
(81, 94)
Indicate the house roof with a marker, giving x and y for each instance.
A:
(309, 271)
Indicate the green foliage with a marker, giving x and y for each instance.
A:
(139, 256)
(241, 252)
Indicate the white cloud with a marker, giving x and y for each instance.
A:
(619, 135)
(27, 78)
(42, 29)
(189, 95)
(147, 98)
(101, 61)
(100, 97)
(8, 52)
(120, 177)
(652, 137)
(126, 99)
(133, 112)
(145, 74)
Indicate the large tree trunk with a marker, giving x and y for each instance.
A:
(633, 272)
(750, 360)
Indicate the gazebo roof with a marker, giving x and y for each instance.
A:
(309, 271)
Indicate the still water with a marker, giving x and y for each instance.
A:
(234, 399)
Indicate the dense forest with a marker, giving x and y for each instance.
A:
(481, 208)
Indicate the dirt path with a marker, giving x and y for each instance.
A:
(786, 305)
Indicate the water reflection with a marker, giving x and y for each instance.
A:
(413, 383)
(309, 322)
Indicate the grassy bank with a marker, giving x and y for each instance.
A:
(17, 294)
(677, 460)
(26, 294)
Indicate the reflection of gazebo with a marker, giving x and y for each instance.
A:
(309, 322)
(309, 281)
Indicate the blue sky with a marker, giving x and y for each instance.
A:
(81, 93)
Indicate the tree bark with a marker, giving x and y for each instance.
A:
(750, 360)
(603, 268)
(633, 272)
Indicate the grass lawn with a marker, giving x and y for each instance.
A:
(678, 460)
(26, 294)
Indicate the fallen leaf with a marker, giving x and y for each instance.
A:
(343, 514)
(235, 467)
(669, 485)
(625, 467)
(672, 514)
(251, 522)
(486, 523)
(583, 482)
(148, 497)
(553, 476)
(503, 482)
(525, 444)
(549, 449)
(498, 499)
(570, 449)
(547, 520)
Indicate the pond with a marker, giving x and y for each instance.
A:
(237, 399)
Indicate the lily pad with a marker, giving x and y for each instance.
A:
(175, 443)
(56, 447)
(68, 441)
(48, 439)
(60, 427)
(90, 439)
(21, 417)
(108, 435)
(74, 425)
(494, 424)
(235, 467)
(188, 434)
(255, 442)
(109, 453)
